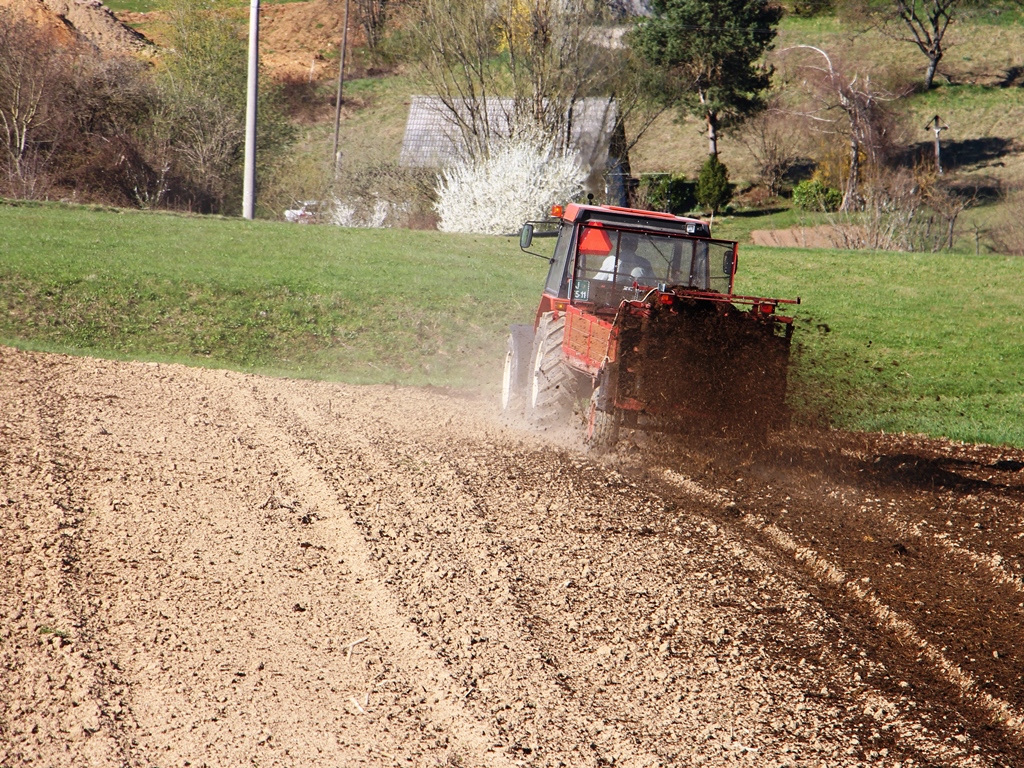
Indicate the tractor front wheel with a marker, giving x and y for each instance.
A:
(515, 380)
(552, 384)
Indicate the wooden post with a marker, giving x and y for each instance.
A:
(341, 81)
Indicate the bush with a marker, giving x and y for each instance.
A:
(198, 129)
(812, 195)
(713, 190)
(1008, 233)
(812, 7)
(668, 193)
(384, 194)
(903, 211)
(517, 180)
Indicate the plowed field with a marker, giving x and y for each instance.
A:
(201, 567)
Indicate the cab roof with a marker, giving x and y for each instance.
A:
(577, 212)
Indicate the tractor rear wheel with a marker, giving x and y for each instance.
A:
(515, 380)
(602, 426)
(552, 383)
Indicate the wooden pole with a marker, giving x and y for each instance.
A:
(341, 81)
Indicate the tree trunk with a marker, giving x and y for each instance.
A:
(712, 133)
(852, 197)
(929, 76)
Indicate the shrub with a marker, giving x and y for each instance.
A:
(518, 179)
(713, 190)
(1008, 233)
(668, 193)
(199, 125)
(812, 195)
(381, 193)
(903, 212)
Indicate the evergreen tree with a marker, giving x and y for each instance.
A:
(713, 189)
(713, 49)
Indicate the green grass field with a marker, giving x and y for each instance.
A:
(928, 343)
(900, 342)
(387, 305)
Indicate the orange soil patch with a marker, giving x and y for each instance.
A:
(297, 40)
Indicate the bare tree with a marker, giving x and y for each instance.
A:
(921, 22)
(373, 18)
(847, 104)
(33, 78)
(773, 143)
(542, 56)
(459, 45)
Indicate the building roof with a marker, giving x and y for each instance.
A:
(433, 139)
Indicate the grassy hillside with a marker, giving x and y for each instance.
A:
(389, 305)
(924, 343)
(904, 342)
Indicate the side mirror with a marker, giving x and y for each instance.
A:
(526, 236)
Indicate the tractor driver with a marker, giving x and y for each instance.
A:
(630, 264)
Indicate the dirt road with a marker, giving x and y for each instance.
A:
(208, 568)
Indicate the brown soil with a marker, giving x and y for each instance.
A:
(797, 237)
(209, 568)
(298, 41)
(36, 12)
(69, 21)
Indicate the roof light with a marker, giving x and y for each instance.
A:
(557, 211)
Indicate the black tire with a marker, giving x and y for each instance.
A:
(515, 380)
(552, 384)
(602, 430)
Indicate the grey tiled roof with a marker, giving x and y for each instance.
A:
(433, 139)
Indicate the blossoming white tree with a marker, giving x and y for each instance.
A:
(518, 179)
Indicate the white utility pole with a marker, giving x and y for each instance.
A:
(249, 185)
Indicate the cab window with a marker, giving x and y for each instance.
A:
(558, 277)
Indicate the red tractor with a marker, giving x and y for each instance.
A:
(638, 316)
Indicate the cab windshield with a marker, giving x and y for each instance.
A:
(610, 261)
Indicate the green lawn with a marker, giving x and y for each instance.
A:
(926, 343)
(389, 305)
(930, 343)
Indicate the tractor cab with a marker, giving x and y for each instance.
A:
(605, 255)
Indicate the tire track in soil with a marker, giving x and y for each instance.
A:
(952, 603)
(415, 688)
(444, 705)
(59, 698)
